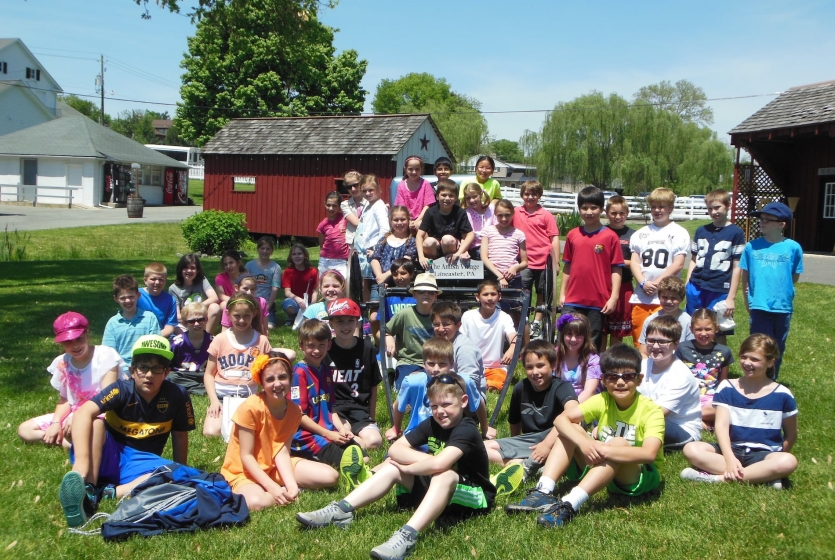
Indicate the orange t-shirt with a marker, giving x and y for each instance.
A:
(271, 435)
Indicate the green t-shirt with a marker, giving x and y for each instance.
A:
(490, 186)
(410, 330)
(642, 420)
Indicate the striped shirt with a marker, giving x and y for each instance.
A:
(503, 248)
(756, 423)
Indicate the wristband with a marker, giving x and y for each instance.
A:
(641, 285)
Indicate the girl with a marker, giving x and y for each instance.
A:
(267, 275)
(484, 167)
(756, 424)
(331, 287)
(398, 243)
(503, 248)
(191, 350)
(231, 354)
(299, 278)
(707, 360)
(232, 266)
(192, 285)
(245, 283)
(480, 214)
(352, 207)
(577, 362)
(402, 273)
(335, 250)
(414, 192)
(77, 374)
(373, 225)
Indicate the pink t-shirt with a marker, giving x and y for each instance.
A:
(415, 200)
(479, 222)
(503, 248)
(233, 359)
(540, 228)
(222, 281)
(334, 246)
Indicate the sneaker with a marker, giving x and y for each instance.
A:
(557, 516)
(776, 484)
(351, 471)
(698, 476)
(530, 469)
(508, 480)
(74, 500)
(536, 330)
(328, 515)
(400, 545)
(535, 501)
(106, 492)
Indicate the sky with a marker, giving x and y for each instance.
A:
(519, 59)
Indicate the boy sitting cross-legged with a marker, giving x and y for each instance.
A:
(445, 230)
(623, 457)
(450, 481)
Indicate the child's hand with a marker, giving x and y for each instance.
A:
(391, 347)
(592, 452)
(491, 433)
(539, 452)
(503, 283)
(609, 307)
(452, 258)
(53, 434)
(510, 273)
(729, 307)
(733, 469)
(424, 263)
(292, 492)
(214, 410)
(650, 287)
(508, 356)
(391, 434)
(336, 437)
(280, 496)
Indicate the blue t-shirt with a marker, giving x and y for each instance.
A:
(715, 250)
(121, 334)
(164, 306)
(756, 423)
(265, 278)
(413, 393)
(395, 304)
(770, 268)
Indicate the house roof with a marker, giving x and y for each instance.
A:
(360, 135)
(17, 85)
(7, 42)
(80, 137)
(799, 106)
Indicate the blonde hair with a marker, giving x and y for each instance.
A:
(155, 268)
(662, 196)
(719, 195)
(193, 308)
(762, 343)
(370, 178)
(474, 188)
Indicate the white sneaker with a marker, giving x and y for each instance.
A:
(698, 476)
(399, 546)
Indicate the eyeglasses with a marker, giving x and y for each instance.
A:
(659, 343)
(196, 321)
(144, 369)
(767, 220)
(446, 379)
(351, 186)
(613, 377)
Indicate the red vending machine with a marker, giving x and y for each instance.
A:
(182, 188)
(168, 188)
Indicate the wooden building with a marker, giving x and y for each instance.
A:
(277, 171)
(792, 146)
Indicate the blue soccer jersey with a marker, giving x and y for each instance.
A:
(756, 423)
(715, 250)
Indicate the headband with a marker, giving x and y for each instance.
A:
(240, 300)
(262, 361)
(411, 158)
(565, 318)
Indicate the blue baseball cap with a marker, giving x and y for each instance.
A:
(776, 209)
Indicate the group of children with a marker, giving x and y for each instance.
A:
(603, 420)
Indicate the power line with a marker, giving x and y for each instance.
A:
(64, 56)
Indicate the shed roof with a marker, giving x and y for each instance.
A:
(352, 135)
(799, 106)
(80, 137)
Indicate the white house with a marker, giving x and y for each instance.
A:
(28, 94)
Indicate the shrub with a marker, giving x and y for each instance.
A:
(566, 222)
(212, 232)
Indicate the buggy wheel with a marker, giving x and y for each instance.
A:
(354, 279)
(549, 308)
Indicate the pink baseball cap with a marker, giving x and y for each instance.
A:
(70, 326)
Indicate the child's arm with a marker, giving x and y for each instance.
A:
(789, 433)
(488, 264)
(391, 345)
(309, 425)
(523, 261)
(273, 296)
(512, 338)
(340, 427)
(288, 294)
(744, 282)
(612, 302)
(396, 424)
(425, 465)
(372, 404)
(515, 430)
(54, 435)
(589, 389)
(284, 465)
(403, 453)
(541, 450)
(377, 270)
(481, 413)
(419, 240)
(110, 377)
(246, 441)
(730, 301)
(179, 447)
(209, 383)
(672, 270)
(722, 429)
(690, 268)
(321, 239)
(555, 251)
(638, 273)
(566, 274)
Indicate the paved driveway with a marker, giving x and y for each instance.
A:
(32, 218)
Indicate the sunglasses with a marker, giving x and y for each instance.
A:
(351, 186)
(446, 379)
(627, 377)
(767, 220)
(196, 321)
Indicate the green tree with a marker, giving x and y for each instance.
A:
(85, 107)
(264, 58)
(507, 150)
(203, 6)
(173, 138)
(138, 125)
(684, 98)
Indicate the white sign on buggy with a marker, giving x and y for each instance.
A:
(469, 269)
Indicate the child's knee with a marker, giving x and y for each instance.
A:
(618, 442)
(446, 479)
(449, 242)
(785, 463)
(430, 243)
(371, 438)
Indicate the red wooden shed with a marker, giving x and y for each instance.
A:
(277, 171)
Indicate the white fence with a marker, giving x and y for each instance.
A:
(35, 194)
(196, 172)
(686, 208)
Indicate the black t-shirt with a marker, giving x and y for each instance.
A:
(145, 425)
(437, 225)
(625, 235)
(536, 410)
(355, 373)
(473, 464)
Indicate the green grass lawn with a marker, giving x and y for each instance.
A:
(195, 191)
(683, 520)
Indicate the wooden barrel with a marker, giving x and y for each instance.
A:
(136, 207)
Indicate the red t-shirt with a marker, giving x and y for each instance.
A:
(300, 281)
(540, 228)
(591, 256)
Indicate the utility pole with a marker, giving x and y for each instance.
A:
(101, 117)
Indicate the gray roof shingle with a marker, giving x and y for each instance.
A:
(363, 135)
(798, 106)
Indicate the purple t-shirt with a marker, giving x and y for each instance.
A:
(186, 356)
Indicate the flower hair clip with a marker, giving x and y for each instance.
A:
(564, 318)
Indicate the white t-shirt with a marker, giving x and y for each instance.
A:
(488, 334)
(677, 390)
(657, 247)
(80, 385)
(683, 319)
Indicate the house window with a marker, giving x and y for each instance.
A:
(4, 67)
(243, 184)
(829, 200)
(33, 74)
(30, 172)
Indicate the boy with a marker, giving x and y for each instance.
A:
(443, 168)
(402, 274)
(450, 481)
(267, 275)
(130, 323)
(322, 436)
(658, 251)
(191, 350)
(153, 298)
(623, 459)
(771, 266)
(713, 275)
(670, 292)
(671, 385)
(618, 323)
(438, 356)
(592, 273)
(489, 327)
(535, 403)
(542, 239)
(125, 448)
(410, 328)
(356, 374)
(445, 229)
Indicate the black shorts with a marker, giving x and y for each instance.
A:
(357, 417)
(331, 454)
(467, 500)
(538, 278)
(745, 455)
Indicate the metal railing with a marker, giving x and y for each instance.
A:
(21, 192)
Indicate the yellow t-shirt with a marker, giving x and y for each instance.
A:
(490, 186)
(640, 421)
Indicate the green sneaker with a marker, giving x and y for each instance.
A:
(508, 480)
(72, 495)
(351, 468)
